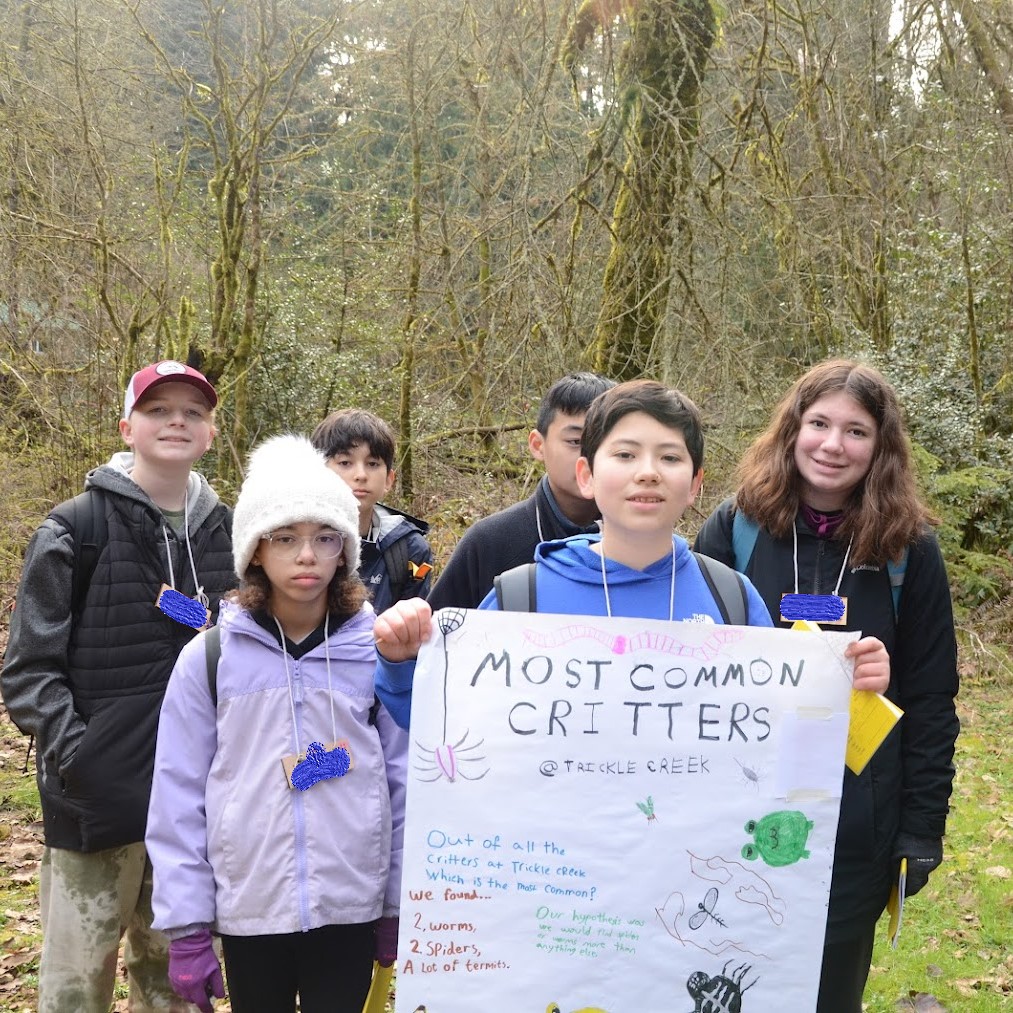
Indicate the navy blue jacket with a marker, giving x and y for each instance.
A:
(412, 557)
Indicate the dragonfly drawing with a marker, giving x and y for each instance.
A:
(705, 910)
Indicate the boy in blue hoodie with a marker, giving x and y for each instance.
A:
(642, 462)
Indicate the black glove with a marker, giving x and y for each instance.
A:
(923, 854)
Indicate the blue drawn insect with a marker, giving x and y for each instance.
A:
(188, 611)
(705, 910)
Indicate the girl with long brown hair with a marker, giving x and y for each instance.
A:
(827, 520)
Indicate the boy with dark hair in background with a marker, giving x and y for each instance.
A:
(87, 665)
(555, 510)
(396, 561)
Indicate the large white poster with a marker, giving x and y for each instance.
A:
(619, 815)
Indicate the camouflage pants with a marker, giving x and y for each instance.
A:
(89, 902)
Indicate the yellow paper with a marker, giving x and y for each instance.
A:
(379, 990)
(872, 717)
(895, 905)
(808, 627)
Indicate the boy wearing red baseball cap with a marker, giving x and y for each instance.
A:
(114, 583)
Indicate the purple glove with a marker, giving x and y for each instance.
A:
(386, 941)
(194, 971)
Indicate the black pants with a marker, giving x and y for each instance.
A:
(845, 972)
(330, 969)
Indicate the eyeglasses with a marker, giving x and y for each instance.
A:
(325, 544)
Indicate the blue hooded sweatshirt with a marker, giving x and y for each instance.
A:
(568, 581)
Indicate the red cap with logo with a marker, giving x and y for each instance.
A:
(168, 371)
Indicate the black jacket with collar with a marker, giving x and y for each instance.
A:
(496, 543)
(907, 784)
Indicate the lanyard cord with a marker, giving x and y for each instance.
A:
(605, 584)
(200, 595)
(168, 556)
(844, 565)
(288, 679)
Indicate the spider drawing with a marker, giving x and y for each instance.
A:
(445, 760)
(450, 761)
(720, 993)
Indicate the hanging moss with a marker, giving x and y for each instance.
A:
(659, 77)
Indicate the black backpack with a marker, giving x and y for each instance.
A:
(84, 517)
(515, 589)
(395, 562)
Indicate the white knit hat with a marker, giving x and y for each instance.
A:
(288, 482)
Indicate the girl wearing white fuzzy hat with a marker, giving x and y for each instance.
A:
(277, 809)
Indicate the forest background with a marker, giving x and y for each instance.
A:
(434, 208)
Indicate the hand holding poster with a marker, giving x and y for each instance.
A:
(621, 815)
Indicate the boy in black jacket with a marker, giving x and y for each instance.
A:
(86, 677)
(507, 539)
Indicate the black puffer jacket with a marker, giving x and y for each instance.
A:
(907, 784)
(90, 689)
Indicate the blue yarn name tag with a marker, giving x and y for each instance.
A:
(825, 609)
(318, 763)
(184, 610)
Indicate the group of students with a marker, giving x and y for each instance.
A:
(271, 811)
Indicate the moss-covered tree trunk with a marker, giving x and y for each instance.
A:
(234, 116)
(659, 80)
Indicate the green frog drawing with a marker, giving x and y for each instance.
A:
(779, 838)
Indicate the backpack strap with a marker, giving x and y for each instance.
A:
(84, 517)
(744, 534)
(212, 655)
(395, 562)
(515, 589)
(897, 570)
(727, 588)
